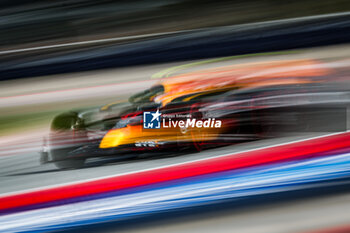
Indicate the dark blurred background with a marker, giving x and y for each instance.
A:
(40, 22)
(51, 37)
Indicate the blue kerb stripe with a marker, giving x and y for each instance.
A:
(230, 185)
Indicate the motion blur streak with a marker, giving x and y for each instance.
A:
(339, 229)
(72, 94)
(226, 186)
(289, 151)
(189, 114)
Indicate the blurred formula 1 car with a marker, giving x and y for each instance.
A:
(117, 128)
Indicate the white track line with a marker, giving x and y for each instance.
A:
(115, 39)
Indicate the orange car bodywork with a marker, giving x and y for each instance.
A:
(242, 76)
(229, 77)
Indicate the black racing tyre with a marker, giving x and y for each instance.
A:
(66, 125)
(198, 137)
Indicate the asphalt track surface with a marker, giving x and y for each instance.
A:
(21, 171)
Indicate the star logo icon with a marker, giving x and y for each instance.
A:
(155, 115)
